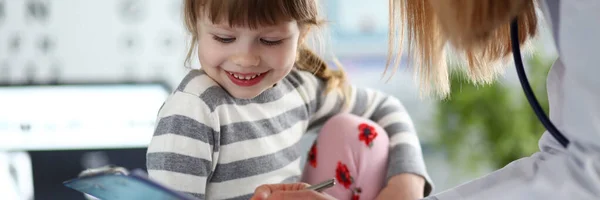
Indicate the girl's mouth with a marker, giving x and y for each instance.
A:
(246, 79)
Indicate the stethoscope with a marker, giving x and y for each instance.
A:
(514, 37)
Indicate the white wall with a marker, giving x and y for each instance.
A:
(88, 40)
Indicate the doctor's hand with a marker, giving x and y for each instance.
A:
(289, 191)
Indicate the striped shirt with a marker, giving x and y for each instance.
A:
(214, 146)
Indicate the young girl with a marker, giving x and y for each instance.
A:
(236, 123)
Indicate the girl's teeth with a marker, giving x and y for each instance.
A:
(241, 77)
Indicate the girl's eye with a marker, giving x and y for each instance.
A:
(223, 40)
(271, 43)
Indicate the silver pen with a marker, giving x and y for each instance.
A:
(322, 186)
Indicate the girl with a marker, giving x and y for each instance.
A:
(236, 123)
(479, 29)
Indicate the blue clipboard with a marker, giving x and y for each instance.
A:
(108, 185)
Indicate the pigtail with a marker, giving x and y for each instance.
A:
(309, 61)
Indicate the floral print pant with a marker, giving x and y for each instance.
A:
(354, 151)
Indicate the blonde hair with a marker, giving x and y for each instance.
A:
(256, 13)
(477, 30)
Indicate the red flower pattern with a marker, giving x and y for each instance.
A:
(312, 155)
(342, 174)
(367, 133)
(356, 194)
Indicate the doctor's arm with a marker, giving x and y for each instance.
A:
(553, 173)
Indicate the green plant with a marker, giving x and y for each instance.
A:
(491, 125)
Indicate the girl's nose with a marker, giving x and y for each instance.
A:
(246, 60)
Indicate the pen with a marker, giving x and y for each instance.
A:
(322, 186)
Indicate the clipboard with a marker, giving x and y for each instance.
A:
(116, 183)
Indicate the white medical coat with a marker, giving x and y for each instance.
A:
(574, 96)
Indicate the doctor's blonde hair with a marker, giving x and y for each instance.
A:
(477, 30)
(256, 13)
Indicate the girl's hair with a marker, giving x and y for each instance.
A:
(478, 30)
(257, 13)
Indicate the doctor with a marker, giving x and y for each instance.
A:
(480, 30)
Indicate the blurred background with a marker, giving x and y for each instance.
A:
(81, 82)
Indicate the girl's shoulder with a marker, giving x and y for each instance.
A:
(298, 77)
(197, 89)
(197, 82)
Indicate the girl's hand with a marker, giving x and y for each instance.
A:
(289, 191)
(403, 187)
(391, 193)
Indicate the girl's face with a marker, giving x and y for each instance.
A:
(245, 61)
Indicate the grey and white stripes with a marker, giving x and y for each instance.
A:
(214, 146)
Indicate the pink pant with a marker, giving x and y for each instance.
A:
(354, 151)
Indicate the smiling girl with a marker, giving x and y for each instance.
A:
(237, 122)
